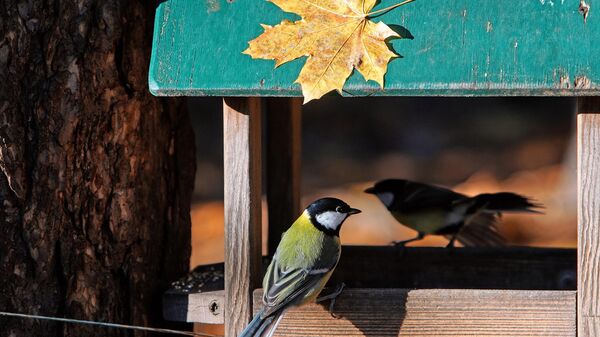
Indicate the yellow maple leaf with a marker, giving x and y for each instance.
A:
(336, 35)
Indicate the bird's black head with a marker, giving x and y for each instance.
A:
(328, 214)
(388, 190)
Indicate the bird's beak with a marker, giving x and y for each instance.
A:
(353, 211)
(370, 190)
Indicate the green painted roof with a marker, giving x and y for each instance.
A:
(460, 47)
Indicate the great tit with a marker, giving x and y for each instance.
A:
(303, 262)
(436, 210)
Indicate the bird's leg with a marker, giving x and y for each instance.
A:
(452, 239)
(403, 243)
(454, 236)
(333, 296)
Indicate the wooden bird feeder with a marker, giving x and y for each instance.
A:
(460, 48)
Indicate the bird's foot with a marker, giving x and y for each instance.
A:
(451, 243)
(451, 248)
(333, 296)
(399, 243)
(404, 242)
(400, 247)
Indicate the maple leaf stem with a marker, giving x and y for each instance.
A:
(387, 9)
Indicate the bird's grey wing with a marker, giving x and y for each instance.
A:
(285, 286)
(418, 196)
(481, 231)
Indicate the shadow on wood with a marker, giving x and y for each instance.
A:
(361, 307)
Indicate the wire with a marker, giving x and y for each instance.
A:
(109, 325)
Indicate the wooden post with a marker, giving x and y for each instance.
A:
(588, 181)
(242, 156)
(283, 165)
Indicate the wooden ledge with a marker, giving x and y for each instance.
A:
(435, 312)
(426, 312)
(199, 298)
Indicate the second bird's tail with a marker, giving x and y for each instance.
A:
(262, 326)
(480, 229)
(505, 202)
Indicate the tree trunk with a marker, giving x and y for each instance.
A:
(96, 174)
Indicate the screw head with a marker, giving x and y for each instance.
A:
(214, 308)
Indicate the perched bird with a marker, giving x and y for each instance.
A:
(436, 210)
(303, 262)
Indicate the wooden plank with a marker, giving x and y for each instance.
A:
(460, 47)
(242, 200)
(417, 267)
(283, 165)
(202, 307)
(588, 307)
(484, 268)
(206, 307)
(435, 312)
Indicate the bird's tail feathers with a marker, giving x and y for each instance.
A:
(506, 202)
(269, 331)
(481, 231)
(254, 326)
(262, 326)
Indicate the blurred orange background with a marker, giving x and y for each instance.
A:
(523, 145)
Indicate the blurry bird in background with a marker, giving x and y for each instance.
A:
(436, 210)
(303, 262)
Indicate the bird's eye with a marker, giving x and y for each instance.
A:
(339, 209)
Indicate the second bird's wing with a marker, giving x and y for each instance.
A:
(288, 286)
(481, 231)
(418, 196)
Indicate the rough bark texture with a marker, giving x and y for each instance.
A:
(95, 174)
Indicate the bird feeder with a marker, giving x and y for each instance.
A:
(460, 48)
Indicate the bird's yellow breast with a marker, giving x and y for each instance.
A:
(305, 246)
(425, 222)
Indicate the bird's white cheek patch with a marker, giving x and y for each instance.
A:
(331, 219)
(387, 198)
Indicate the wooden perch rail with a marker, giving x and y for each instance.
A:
(390, 267)
(483, 268)
(435, 312)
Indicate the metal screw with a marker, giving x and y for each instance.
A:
(214, 308)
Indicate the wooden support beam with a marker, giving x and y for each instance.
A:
(435, 312)
(242, 156)
(588, 173)
(283, 165)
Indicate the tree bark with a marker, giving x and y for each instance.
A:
(96, 174)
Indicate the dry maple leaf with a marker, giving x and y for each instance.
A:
(336, 35)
